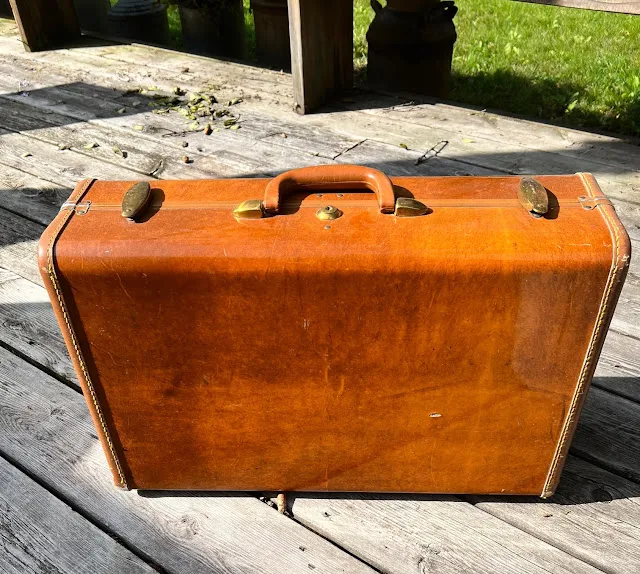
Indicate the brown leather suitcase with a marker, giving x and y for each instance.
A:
(329, 330)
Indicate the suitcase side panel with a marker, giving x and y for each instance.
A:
(621, 258)
(47, 267)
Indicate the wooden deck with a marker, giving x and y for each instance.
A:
(71, 114)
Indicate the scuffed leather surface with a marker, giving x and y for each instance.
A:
(432, 354)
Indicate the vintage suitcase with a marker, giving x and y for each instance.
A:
(328, 330)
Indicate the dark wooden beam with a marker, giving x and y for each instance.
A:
(321, 35)
(45, 24)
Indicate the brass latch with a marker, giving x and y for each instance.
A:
(409, 207)
(136, 200)
(533, 196)
(250, 209)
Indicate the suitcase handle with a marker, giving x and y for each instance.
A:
(330, 177)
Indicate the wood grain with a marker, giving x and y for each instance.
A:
(619, 366)
(39, 533)
(608, 433)
(594, 516)
(399, 534)
(28, 325)
(18, 246)
(272, 89)
(30, 196)
(493, 141)
(46, 427)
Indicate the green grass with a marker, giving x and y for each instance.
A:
(576, 67)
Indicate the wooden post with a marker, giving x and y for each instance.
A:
(321, 33)
(45, 24)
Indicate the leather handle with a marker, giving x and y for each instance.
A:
(330, 177)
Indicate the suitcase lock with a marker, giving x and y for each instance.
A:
(136, 200)
(533, 196)
(328, 212)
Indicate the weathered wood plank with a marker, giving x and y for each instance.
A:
(608, 433)
(18, 245)
(626, 319)
(402, 164)
(46, 428)
(39, 533)
(30, 196)
(28, 325)
(46, 161)
(619, 366)
(468, 123)
(137, 153)
(620, 6)
(629, 214)
(83, 106)
(594, 515)
(395, 160)
(533, 134)
(605, 149)
(474, 123)
(399, 534)
(132, 63)
(83, 101)
(45, 24)
(501, 153)
(222, 154)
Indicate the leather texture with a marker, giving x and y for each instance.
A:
(445, 353)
